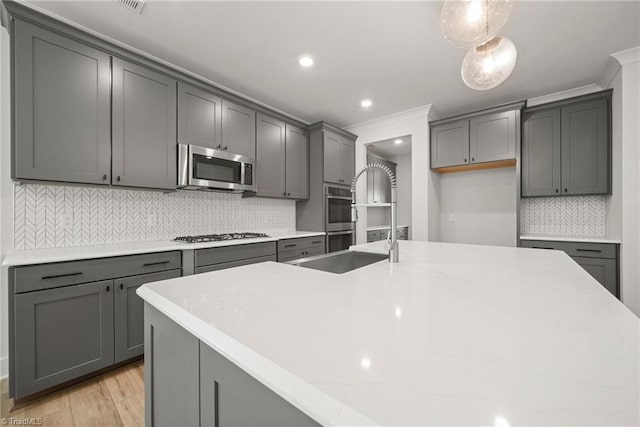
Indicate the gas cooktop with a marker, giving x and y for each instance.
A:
(218, 237)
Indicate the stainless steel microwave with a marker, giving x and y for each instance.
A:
(201, 168)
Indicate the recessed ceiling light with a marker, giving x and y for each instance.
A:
(306, 61)
(398, 141)
(366, 103)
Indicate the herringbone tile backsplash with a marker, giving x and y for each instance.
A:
(47, 216)
(583, 216)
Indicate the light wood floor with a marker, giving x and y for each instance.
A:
(113, 399)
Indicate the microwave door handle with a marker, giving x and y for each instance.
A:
(242, 173)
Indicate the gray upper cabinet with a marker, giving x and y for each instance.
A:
(144, 127)
(199, 117)
(566, 147)
(238, 129)
(378, 185)
(585, 148)
(270, 144)
(61, 334)
(61, 108)
(129, 313)
(297, 162)
(492, 137)
(450, 144)
(339, 159)
(541, 153)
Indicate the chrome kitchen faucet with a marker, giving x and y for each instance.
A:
(392, 238)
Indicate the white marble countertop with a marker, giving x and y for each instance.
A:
(383, 227)
(451, 335)
(42, 256)
(571, 239)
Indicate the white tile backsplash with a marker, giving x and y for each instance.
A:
(579, 216)
(49, 216)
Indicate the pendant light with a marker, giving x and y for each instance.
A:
(467, 23)
(486, 66)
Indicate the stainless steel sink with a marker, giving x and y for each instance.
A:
(339, 262)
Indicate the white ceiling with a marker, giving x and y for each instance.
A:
(391, 52)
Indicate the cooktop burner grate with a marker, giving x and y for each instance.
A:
(218, 237)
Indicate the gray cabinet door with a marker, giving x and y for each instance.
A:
(297, 163)
(270, 143)
(541, 166)
(450, 144)
(171, 373)
(61, 334)
(331, 151)
(603, 270)
(231, 397)
(585, 148)
(144, 127)
(492, 137)
(129, 313)
(347, 160)
(199, 117)
(62, 108)
(238, 129)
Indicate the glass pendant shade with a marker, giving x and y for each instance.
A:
(486, 66)
(467, 23)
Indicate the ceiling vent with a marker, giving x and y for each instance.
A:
(133, 5)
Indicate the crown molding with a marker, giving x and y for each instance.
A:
(628, 56)
(563, 94)
(422, 111)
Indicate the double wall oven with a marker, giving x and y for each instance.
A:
(340, 231)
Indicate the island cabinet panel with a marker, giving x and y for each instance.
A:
(492, 137)
(144, 127)
(302, 247)
(171, 373)
(450, 144)
(541, 153)
(61, 334)
(61, 108)
(270, 146)
(297, 162)
(231, 397)
(129, 313)
(199, 117)
(238, 129)
(585, 148)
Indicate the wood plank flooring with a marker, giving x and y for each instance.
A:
(113, 399)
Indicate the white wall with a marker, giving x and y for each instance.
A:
(405, 188)
(484, 205)
(416, 124)
(6, 192)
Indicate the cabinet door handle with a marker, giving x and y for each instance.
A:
(541, 247)
(473, 159)
(557, 191)
(284, 194)
(108, 288)
(149, 264)
(104, 177)
(465, 160)
(118, 178)
(565, 190)
(316, 241)
(61, 275)
(121, 286)
(588, 250)
(219, 146)
(292, 245)
(225, 147)
(216, 405)
(288, 194)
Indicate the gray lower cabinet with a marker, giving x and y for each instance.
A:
(129, 313)
(492, 137)
(450, 144)
(212, 259)
(61, 334)
(70, 319)
(144, 127)
(302, 247)
(238, 129)
(373, 235)
(402, 233)
(62, 105)
(296, 162)
(270, 147)
(600, 260)
(199, 117)
(566, 147)
(189, 384)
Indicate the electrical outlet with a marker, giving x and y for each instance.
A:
(452, 218)
(152, 220)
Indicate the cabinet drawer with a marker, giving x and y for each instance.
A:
(46, 276)
(300, 243)
(299, 253)
(588, 250)
(232, 264)
(373, 236)
(233, 253)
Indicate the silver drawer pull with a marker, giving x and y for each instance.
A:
(62, 275)
(155, 263)
(540, 247)
(317, 241)
(588, 250)
(293, 245)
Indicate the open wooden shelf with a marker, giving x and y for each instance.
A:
(477, 166)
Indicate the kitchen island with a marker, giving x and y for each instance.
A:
(452, 334)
